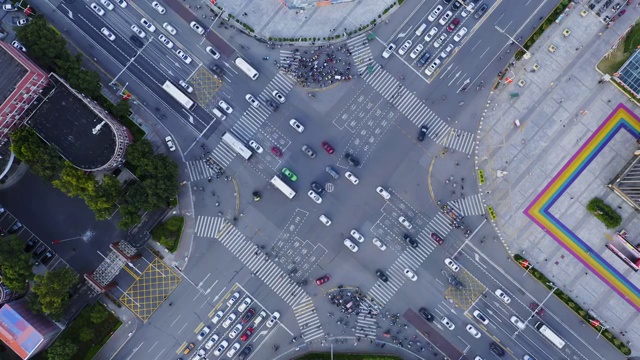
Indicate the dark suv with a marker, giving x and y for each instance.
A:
(217, 70)
(496, 349)
(424, 58)
(456, 5)
(426, 314)
(481, 11)
(381, 275)
(410, 240)
(423, 132)
(352, 159)
(136, 41)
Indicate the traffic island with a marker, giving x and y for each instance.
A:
(605, 213)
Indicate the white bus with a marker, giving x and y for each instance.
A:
(280, 185)
(246, 68)
(550, 335)
(178, 95)
(237, 145)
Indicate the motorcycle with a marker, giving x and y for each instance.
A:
(266, 58)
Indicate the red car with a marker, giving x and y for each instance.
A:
(277, 152)
(247, 334)
(453, 24)
(437, 238)
(323, 280)
(540, 311)
(327, 147)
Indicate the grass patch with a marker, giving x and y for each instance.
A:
(327, 356)
(605, 213)
(168, 233)
(618, 56)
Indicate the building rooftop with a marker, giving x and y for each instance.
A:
(10, 76)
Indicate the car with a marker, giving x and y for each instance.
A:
(354, 180)
(434, 14)
(213, 52)
(165, 41)
(334, 174)
(261, 316)
(446, 322)
(217, 317)
(107, 4)
(147, 24)
(405, 47)
(379, 244)
(503, 296)
(95, 7)
(322, 280)
(481, 10)
(405, 222)
(31, 244)
(451, 264)
(224, 106)
(348, 243)
(460, 34)
(246, 335)
(205, 330)
(447, 51)
(22, 22)
(328, 148)
(440, 40)
(244, 304)
(429, 36)
(437, 238)
(526, 356)
(276, 94)
(159, 8)
(445, 17)
(235, 331)
(456, 5)
(478, 358)
(473, 331)
(15, 227)
(245, 319)
(290, 174)
(296, 125)
(276, 151)
(138, 31)
(423, 132)
(170, 29)
(223, 345)
(271, 104)
(388, 50)
(307, 150)
(382, 276)
(196, 27)
(212, 341)
(183, 56)
(517, 322)
(188, 348)
(136, 41)
(186, 86)
(11, 7)
(416, 51)
(123, 4)
(426, 314)
(480, 316)
(256, 146)
(538, 309)
(468, 9)
(410, 274)
(431, 68)
(170, 143)
(424, 58)
(245, 352)
(253, 101)
(410, 240)
(317, 187)
(325, 220)
(46, 259)
(315, 197)
(272, 320)
(18, 46)
(39, 251)
(384, 193)
(356, 235)
(353, 161)
(233, 299)
(496, 349)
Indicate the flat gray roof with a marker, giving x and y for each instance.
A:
(11, 74)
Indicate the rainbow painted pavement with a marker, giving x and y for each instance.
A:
(540, 209)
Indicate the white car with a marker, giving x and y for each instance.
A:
(245, 303)
(460, 34)
(233, 298)
(443, 20)
(205, 330)
(385, 195)
(348, 243)
(431, 34)
(434, 14)
(138, 31)
(504, 297)
(147, 24)
(163, 39)
(159, 8)
(123, 4)
(217, 317)
(451, 264)
(480, 316)
(212, 341)
(356, 235)
(183, 56)
(107, 4)
(431, 68)
(405, 47)
(410, 275)
(96, 8)
(272, 320)
(416, 51)
(229, 320)
(235, 347)
(9, 7)
(296, 125)
(170, 144)
(447, 51)
(440, 40)
(169, 28)
(468, 9)
(325, 220)
(354, 180)
(379, 244)
(252, 100)
(108, 34)
(196, 27)
(223, 345)
(22, 22)
(517, 322)
(473, 331)
(388, 51)
(405, 222)
(276, 94)
(225, 106)
(446, 322)
(236, 330)
(256, 146)
(18, 46)
(186, 86)
(315, 197)
(213, 52)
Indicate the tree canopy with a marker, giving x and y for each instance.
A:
(52, 290)
(41, 157)
(15, 264)
(62, 349)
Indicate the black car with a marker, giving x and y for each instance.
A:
(426, 314)
(46, 259)
(424, 58)
(483, 9)
(317, 188)
(31, 244)
(15, 227)
(423, 132)
(136, 41)
(39, 251)
(248, 316)
(271, 104)
(456, 5)
(447, 1)
(410, 240)
(217, 70)
(352, 159)
(381, 275)
(245, 352)
(496, 349)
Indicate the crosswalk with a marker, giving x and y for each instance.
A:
(265, 269)
(418, 113)
(360, 51)
(471, 205)
(223, 154)
(198, 169)
(366, 326)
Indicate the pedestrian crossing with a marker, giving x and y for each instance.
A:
(418, 113)
(366, 326)
(360, 51)
(223, 154)
(471, 205)
(308, 320)
(198, 169)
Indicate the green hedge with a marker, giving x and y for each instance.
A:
(604, 213)
(168, 233)
(555, 14)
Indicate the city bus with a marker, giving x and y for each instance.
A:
(178, 95)
(550, 335)
(236, 145)
(280, 185)
(246, 68)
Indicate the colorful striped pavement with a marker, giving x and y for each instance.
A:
(540, 209)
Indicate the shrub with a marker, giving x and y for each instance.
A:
(605, 213)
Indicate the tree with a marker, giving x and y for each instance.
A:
(74, 182)
(15, 264)
(52, 290)
(45, 44)
(138, 154)
(130, 216)
(106, 196)
(87, 334)
(98, 314)
(62, 349)
(29, 148)
(122, 109)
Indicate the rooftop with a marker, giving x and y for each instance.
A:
(10, 76)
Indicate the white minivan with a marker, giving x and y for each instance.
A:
(218, 113)
(421, 29)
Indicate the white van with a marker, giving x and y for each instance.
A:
(218, 113)
(421, 29)
(261, 316)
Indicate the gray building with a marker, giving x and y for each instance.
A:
(629, 74)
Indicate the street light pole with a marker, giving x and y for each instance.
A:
(129, 63)
(527, 53)
(533, 312)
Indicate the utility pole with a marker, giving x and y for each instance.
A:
(533, 312)
(129, 63)
(527, 54)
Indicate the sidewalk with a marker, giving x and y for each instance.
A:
(129, 326)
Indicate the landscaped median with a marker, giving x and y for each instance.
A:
(594, 323)
(337, 356)
(169, 232)
(549, 21)
(605, 213)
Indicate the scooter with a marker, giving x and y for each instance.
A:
(266, 58)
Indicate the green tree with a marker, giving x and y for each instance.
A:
(45, 44)
(29, 148)
(130, 216)
(87, 334)
(62, 349)
(106, 195)
(98, 314)
(138, 155)
(52, 290)
(75, 182)
(15, 264)
(122, 109)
